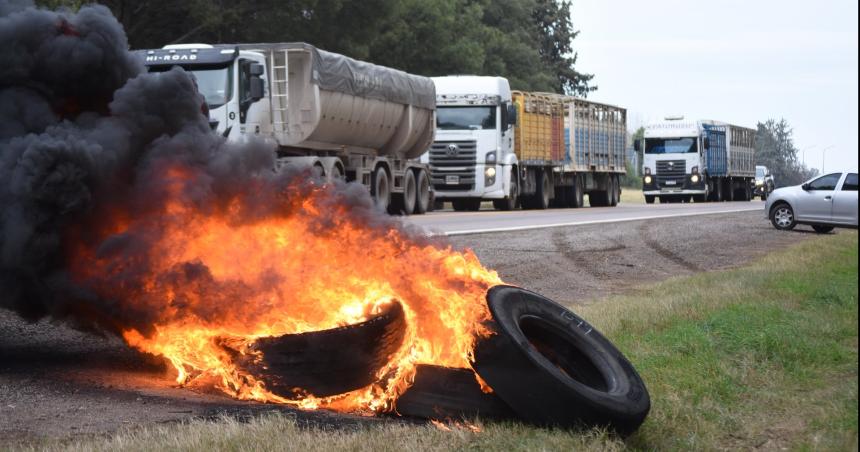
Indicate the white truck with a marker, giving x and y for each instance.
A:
(697, 161)
(341, 117)
(515, 148)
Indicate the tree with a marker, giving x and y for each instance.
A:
(556, 34)
(775, 149)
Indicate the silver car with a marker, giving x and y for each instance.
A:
(824, 203)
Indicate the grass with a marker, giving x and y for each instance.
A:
(761, 356)
(632, 196)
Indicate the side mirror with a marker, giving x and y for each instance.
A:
(256, 88)
(805, 187)
(636, 145)
(512, 115)
(706, 142)
(255, 70)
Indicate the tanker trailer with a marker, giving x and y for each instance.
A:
(344, 118)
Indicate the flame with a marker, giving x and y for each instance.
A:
(217, 270)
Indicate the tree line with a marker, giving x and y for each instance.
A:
(528, 41)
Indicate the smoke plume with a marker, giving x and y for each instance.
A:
(89, 142)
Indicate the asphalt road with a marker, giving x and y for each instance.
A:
(460, 223)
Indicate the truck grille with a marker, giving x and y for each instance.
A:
(459, 162)
(671, 170)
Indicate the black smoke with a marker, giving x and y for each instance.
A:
(85, 130)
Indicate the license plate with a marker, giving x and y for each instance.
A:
(670, 182)
(452, 180)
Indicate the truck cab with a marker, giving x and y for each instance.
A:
(472, 157)
(673, 164)
(231, 81)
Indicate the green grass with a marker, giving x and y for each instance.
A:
(761, 356)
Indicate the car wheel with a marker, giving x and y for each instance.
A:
(328, 362)
(822, 229)
(782, 217)
(553, 368)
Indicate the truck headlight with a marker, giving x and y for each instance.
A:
(489, 176)
(647, 171)
(647, 179)
(759, 182)
(491, 157)
(694, 179)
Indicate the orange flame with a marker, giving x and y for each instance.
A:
(212, 273)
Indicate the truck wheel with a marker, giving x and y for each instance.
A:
(614, 189)
(543, 192)
(578, 198)
(326, 362)
(422, 192)
(404, 203)
(381, 189)
(598, 198)
(509, 203)
(782, 217)
(700, 198)
(553, 368)
(649, 199)
(467, 205)
(444, 392)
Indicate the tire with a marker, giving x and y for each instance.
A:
(404, 203)
(649, 199)
(577, 199)
(700, 198)
(381, 189)
(329, 362)
(509, 203)
(614, 190)
(764, 196)
(553, 368)
(822, 229)
(542, 195)
(782, 217)
(598, 198)
(444, 392)
(422, 192)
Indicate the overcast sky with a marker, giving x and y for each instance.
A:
(734, 61)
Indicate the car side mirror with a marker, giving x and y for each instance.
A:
(805, 187)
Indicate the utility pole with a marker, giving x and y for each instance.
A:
(823, 155)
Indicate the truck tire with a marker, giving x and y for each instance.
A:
(782, 217)
(509, 203)
(577, 198)
(445, 392)
(381, 189)
(614, 189)
(467, 205)
(649, 199)
(422, 192)
(598, 198)
(329, 362)
(542, 196)
(553, 368)
(404, 203)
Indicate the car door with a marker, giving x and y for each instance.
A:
(845, 201)
(815, 201)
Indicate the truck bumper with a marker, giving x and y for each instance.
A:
(652, 187)
(481, 189)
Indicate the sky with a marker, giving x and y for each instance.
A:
(741, 62)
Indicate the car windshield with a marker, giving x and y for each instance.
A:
(466, 118)
(670, 145)
(215, 85)
(759, 173)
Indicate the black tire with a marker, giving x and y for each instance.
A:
(700, 198)
(329, 362)
(577, 198)
(444, 392)
(614, 188)
(782, 217)
(542, 196)
(649, 199)
(404, 203)
(553, 368)
(422, 192)
(509, 203)
(381, 189)
(822, 229)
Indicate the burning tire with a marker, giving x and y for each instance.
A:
(553, 368)
(445, 392)
(329, 362)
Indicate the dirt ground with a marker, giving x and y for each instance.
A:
(56, 382)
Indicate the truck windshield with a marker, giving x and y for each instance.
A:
(759, 173)
(670, 145)
(215, 85)
(466, 118)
